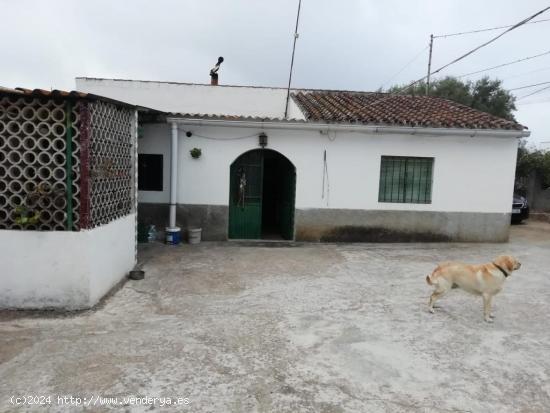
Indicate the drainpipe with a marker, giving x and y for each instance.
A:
(173, 175)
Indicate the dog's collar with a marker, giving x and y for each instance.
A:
(501, 270)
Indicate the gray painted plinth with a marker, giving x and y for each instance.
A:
(395, 226)
(211, 218)
(347, 225)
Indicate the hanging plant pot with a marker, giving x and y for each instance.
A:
(195, 153)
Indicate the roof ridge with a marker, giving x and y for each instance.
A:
(402, 110)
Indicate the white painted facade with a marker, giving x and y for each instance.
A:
(473, 169)
(471, 174)
(195, 99)
(65, 269)
(483, 183)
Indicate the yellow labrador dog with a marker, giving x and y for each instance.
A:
(486, 279)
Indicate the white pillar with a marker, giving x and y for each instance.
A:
(173, 175)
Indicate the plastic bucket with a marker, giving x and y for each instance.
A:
(195, 235)
(173, 236)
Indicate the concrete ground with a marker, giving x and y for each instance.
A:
(309, 328)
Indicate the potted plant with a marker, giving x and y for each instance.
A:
(24, 216)
(195, 153)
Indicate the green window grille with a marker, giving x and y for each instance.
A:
(406, 180)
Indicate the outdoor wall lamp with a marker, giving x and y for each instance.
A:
(262, 140)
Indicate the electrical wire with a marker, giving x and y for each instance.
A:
(526, 73)
(533, 102)
(483, 30)
(515, 26)
(528, 86)
(404, 67)
(326, 183)
(224, 139)
(504, 64)
(542, 89)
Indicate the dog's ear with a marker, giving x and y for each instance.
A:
(506, 262)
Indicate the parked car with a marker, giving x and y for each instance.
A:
(520, 208)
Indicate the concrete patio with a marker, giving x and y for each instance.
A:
(296, 328)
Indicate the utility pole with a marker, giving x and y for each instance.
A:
(429, 65)
(292, 61)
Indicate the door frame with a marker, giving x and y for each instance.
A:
(263, 150)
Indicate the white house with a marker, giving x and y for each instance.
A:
(340, 166)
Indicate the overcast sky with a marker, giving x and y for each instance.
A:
(343, 44)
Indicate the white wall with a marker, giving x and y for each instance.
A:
(193, 98)
(470, 174)
(111, 254)
(64, 269)
(156, 140)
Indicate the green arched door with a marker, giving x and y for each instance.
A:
(261, 196)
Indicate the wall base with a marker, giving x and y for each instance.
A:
(349, 225)
(65, 270)
(213, 219)
(354, 225)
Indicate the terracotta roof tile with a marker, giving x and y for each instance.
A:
(213, 116)
(395, 110)
(60, 94)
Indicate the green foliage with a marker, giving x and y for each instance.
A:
(484, 94)
(24, 216)
(533, 161)
(195, 153)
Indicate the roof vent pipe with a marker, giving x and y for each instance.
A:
(214, 72)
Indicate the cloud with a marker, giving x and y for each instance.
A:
(349, 44)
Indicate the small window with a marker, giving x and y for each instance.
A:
(149, 172)
(406, 180)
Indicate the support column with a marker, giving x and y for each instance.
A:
(173, 175)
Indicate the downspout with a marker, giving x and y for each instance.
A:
(173, 175)
(69, 163)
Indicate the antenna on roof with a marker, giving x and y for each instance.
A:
(296, 35)
(214, 72)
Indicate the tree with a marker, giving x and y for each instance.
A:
(484, 94)
(530, 161)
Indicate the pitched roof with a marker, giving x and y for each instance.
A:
(395, 110)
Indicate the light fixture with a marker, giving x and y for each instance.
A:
(262, 140)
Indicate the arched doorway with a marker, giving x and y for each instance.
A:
(261, 196)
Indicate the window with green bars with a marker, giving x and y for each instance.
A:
(406, 180)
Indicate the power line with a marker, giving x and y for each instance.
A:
(504, 64)
(526, 73)
(404, 67)
(484, 30)
(532, 102)
(528, 86)
(515, 26)
(542, 89)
